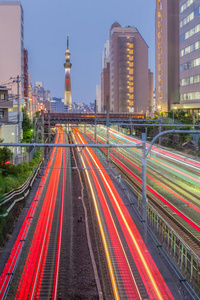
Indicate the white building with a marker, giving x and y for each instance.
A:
(11, 43)
(105, 56)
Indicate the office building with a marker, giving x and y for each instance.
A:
(129, 83)
(12, 44)
(190, 55)
(167, 53)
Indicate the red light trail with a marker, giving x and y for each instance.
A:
(152, 279)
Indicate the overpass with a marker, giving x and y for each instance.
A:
(89, 118)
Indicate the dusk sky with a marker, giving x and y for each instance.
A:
(47, 23)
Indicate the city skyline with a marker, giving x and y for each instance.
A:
(87, 25)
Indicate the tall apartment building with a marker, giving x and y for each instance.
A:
(11, 43)
(190, 54)
(167, 53)
(128, 70)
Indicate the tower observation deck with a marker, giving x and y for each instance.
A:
(67, 65)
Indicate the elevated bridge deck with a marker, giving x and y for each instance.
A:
(89, 118)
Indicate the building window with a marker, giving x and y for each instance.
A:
(1, 113)
(2, 96)
(190, 64)
(190, 33)
(190, 80)
(186, 5)
(190, 96)
(187, 19)
(190, 49)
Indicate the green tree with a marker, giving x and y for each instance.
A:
(5, 156)
(27, 127)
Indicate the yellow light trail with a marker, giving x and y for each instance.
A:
(113, 281)
(129, 230)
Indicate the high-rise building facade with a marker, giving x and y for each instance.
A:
(128, 70)
(190, 54)
(12, 43)
(167, 53)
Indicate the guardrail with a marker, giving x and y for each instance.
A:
(20, 192)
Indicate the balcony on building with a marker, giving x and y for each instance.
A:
(5, 104)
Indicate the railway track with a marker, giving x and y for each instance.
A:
(9, 270)
(188, 235)
(192, 231)
(126, 253)
(45, 243)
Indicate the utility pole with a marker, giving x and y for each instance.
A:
(18, 80)
(42, 133)
(107, 124)
(95, 121)
(18, 115)
(159, 127)
(144, 199)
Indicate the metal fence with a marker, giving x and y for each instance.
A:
(25, 157)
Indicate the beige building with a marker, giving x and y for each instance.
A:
(167, 53)
(11, 43)
(129, 82)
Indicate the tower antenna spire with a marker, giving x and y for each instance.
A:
(68, 41)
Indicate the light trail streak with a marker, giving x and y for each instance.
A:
(161, 198)
(31, 278)
(177, 158)
(112, 276)
(105, 178)
(177, 170)
(11, 264)
(157, 182)
(123, 264)
(57, 264)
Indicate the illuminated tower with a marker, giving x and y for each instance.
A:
(67, 65)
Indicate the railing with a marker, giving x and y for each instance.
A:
(20, 193)
(25, 157)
